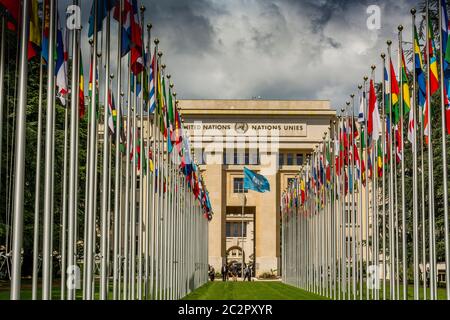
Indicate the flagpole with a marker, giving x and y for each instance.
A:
(430, 174)
(367, 191)
(444, 158)
(73, 172)
(360, 206)
(353, 219)
(127, 189)
(117, 177)
(19, 168)
(2, 82)
(373, 156)
(38, 164)
(63, 229)
(415, 177)
(402, 144)
(133, 194)
(391, 187)
(150, 191)
(383, 116)
(106, 163)
(48, 195)
(141, 166)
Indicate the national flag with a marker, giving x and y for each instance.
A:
(303, 191)
(137, 60)
(433, 78)
(61, 66)
(411, 126)
(178, 130)
(446, 53)
(357, 159)
(152, 86)
(34, 42)
(405, 86)
(255, 182)
(421, 88)
(398, 139)
(374, 122)
(13, 10)
(126, 24)
(380, 159)
(112, 113)
(387, 89)
(81, 101)
(336, 155)
(103, 7)
(46, 31)
(328, 164)
(432, 60)
(361, 116)
(395, 92)
(131, 34)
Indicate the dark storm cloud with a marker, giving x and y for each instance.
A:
(276, 49)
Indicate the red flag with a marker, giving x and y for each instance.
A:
(13, 9)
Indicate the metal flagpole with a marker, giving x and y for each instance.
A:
(150, 191)
(352, 96)
(63, 229)
(422, 197)
(127, 189)
(117, 177)
(367, 188)
(49, 141)
(38, 162)
(430, 177)
(133, 195)
(141, 167)
(2, 81)
(106, 163)
(360, 206)
(391, 190)
(444, 158)
(73, 172)
(92, 168)
(402, 144)
(383, 112)
(19, 168)
(415, 177)
(154, 183)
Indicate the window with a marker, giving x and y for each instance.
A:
(236, 229)
(199, 156)
(290, 159)
(299, 159)
(281, 159)
(247, 157)
(238, 185)
(254, 157)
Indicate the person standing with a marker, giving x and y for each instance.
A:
(212, 273)
(224, 272)
(234, 272)
(248, 274)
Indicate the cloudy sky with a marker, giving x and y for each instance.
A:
(275, 49)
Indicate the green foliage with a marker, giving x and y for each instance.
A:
(7, 160)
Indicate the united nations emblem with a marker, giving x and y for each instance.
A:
(241, 128)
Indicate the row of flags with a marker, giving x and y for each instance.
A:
(141, 62)
(362, 158)
(154, 203)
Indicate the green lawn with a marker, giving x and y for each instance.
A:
(250, 291)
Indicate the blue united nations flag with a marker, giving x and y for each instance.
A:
(255, 182)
